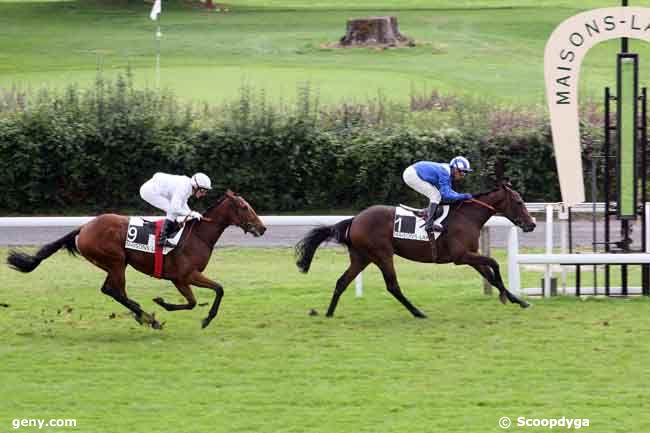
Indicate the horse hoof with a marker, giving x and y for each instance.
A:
(525, 304)
(204, 323)
(156, 325)
(158, 300)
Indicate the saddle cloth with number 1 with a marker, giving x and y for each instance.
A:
(409, 225)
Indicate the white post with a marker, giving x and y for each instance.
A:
(514, 281)
(158, 36)
(563, 215)
(549, 249)
(358, 285)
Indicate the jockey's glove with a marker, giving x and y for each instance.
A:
(195, 215)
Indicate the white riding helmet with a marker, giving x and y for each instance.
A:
(200, 180)
(461, 163)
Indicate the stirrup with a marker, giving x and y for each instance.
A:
(434, 250)
(166, 242)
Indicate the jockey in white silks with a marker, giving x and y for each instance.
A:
(170, 194)
(433, 180)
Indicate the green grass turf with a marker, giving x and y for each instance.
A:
(486, 49)
(265, 365)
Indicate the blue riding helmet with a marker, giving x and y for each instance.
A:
(461, 163)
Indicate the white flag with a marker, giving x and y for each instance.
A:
(155, 10)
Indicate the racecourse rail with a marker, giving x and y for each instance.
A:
(514, 258)
(269, 221)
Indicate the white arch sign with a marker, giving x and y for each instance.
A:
(563, 56)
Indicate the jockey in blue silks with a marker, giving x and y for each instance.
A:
(433, 180)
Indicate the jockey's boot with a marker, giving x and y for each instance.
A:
(168, 230)
(430, 225)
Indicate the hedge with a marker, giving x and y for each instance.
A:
(92, 150)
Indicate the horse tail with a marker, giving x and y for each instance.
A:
(26, 263)
(306, 247)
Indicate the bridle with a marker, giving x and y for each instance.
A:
(246, 226)
(517, 220)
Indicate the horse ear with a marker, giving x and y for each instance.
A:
(236, 198)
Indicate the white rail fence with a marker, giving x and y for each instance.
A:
(513, 257)
(269, 221)
(550, 258)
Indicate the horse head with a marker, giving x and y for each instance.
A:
(512, 206)
(243, 215)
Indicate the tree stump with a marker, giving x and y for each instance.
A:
(374, 31)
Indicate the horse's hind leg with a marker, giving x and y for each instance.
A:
(388, 271)
(115, 287)
(357, 264)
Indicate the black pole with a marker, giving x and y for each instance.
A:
(645, 270)
(594, 238)
(606, 178)
(624, 46)
(570, 221)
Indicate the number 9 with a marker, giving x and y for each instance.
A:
(131, 234)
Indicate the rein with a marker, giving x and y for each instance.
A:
(480, 203)
(189, 232)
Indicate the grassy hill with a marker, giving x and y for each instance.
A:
(486, 49)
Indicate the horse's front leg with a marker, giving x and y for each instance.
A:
(489, 269)
(487, 273)
(186, 291)
(198, 279)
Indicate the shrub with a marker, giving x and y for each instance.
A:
(92, 149)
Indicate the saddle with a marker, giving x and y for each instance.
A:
(142, 235)
(409, 222)
(422, 213)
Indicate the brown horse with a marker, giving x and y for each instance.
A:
(102, 241)
(369, 238)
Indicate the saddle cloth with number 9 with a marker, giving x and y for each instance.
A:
(141, 236)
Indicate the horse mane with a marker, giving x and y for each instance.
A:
(217, 203)
(482, 193)
(457, 204)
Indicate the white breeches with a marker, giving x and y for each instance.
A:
(149, 193)
(412, 179)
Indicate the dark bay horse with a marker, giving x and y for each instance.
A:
(102, 240)
(369, 239)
